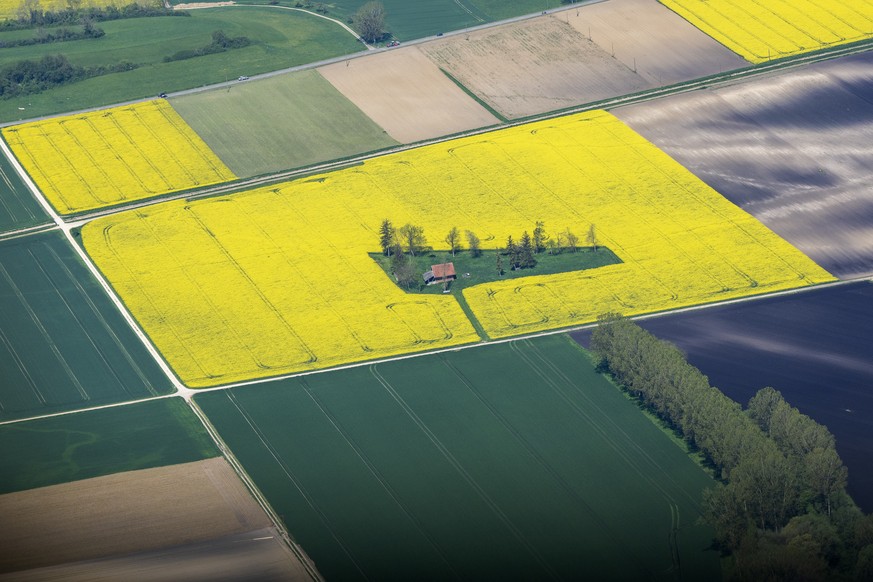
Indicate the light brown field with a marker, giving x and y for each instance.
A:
(120, 514)
(407, 94)
(657, 43)
(533, 66)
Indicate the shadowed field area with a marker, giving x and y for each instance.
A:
(793, 149)
(513, 461)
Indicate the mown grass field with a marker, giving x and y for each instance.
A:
(279, 279)
(280, 122)
(761, 31)
(513, 461)
(63, 345)
(71, 447)
(18, 207)
(280, 39)
(112, 156)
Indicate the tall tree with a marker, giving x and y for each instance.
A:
(386, 237)
(403, 268)
(413, 237)
(474, 244)
(526, 258)
(453, 239)
(540, 238)
(499, 263)
(572, 240)
(512, 253)
(592, 237)
(369, 20)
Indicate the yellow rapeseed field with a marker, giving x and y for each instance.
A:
(278, 279)
(16, 8)
(761, 30)
(91, 160)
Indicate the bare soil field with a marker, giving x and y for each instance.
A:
(814, 347)
(793, 149)
(406, 94)
(651, 39)
(533, 66)
(120, 514)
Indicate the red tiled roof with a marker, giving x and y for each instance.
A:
(443, 271)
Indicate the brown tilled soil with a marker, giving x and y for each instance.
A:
(652, 39)
(406, 94)
(533, 66)
(123, 513)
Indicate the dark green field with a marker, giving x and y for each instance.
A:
(63, 344)
(280, 39)
(18, 208)
(89, 444)
(510, 461)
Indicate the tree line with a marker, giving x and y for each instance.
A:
(781, 507)
(26, 77)
(61, 34)
(220, 43)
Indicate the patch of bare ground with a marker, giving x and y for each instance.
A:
(534, 66)
(407, 95)
(793, 149)
(195, 5)
(126, 513)
(661, 46)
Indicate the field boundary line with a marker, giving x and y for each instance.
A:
(249, 483)
(89, 409)
(23, 232)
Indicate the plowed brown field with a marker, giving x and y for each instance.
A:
(658, 44)
(533, 66)
(406, 94)
(128, 512)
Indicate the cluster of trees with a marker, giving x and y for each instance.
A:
(369, 21)
(31, 15)
(32, 76)
(781, 508)
(521, 253)
(409, 241)
(220, 43)
(57, 35)
(319, 7)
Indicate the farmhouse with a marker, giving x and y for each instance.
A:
(441, 273)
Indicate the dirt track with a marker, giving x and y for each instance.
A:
(125, 513)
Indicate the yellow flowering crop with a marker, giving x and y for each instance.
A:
(91, 160)
(14, 8)
(763, 30)
(278, 279)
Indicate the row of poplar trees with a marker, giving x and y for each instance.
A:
(781, 507)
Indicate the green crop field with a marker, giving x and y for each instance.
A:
(63, 344)
(71, 447)
(281, 122)
(18, 207)
(510, 461)
(410, 20)
(280, 39)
